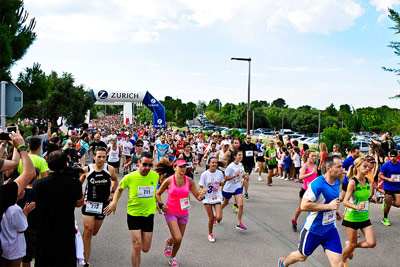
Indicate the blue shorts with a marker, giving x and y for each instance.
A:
(229, 195)
(308, 242)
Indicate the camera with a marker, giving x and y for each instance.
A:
(73, 171)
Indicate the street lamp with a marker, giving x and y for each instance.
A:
(248, 92)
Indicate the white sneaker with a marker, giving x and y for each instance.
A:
(211, 238)
(281, 177)
(259, 178)
(286, 179)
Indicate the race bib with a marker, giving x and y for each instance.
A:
(214, 198)
(260, 154)
(329, 217)
(185, 203)
(249, 153)
(126, 150)
(189, 165)
(145, 191)
(114, 155)
(365, 207)
(94, 207)
(273, 155)
(396, 178)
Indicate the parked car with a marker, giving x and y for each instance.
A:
(363, 145)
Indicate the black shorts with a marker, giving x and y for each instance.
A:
(127, 157)
(301, 193)
(248, 169)
(146, 224)
(392, 192)
(344, 187)
(114, 164)
(260, 159)
(287, 170)
(272, 167)
(98, 217)
(356, 225)
(296, 170)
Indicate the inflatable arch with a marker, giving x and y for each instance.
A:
(126, 98)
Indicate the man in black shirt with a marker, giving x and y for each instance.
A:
(96, 143)
(249, 151)
(56, 197)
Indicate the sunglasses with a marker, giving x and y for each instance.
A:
(139, 145)
(147, 164)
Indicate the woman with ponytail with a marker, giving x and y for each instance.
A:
(357, 198)
(308, 173)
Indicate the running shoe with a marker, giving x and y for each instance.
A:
(172, 262)
(211, 238)
(235, 208)
(246, 195)
(286, 179)
(168, 249)
(385, 221)
(345, 264)
(281, 177)
(280, 262)
(384, 204)
(294, 225)
(241, 227)
(269, 184)
(259, 178)
(86, 264)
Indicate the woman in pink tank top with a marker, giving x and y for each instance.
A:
(176, 209)
(308, 172)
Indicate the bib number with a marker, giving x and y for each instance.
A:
(329, 217)
(189, 165)
(185, 203)
(145, 191)
(249, 153)
(94, 207)
(396, 178)
(273, 155)
(260, 154)
(213, 199)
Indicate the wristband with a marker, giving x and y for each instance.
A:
(112, 191)
(23, 145)
(21, 148)
(160, 205)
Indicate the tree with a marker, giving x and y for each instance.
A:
(15, 37)
(331, 111)
(334, 135)
(35, 85)
(65, 100)
(279, 103)
(214, 105)
(394, 16)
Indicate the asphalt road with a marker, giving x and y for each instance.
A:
(267, 215)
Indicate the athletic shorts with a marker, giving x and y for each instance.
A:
(30, 241)
(272, 167)
(180, 218)
(228, 195)
(392, 192)
(344, 187)
(296, 170)
(114, 164)
(308, 242)
(260, 159)
(248, 169)
(171, 158)
(287, 170)
(301, 193)
(98, 217)
(356, 225)
(145, 224)
(127, 157)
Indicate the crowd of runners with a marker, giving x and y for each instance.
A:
(158, 167)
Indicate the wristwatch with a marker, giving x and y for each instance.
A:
(21, 148)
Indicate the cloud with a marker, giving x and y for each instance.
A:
(383, 5)
(359, 60)
(303, 69)
(146, 21)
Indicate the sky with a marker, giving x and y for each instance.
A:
(308, 52)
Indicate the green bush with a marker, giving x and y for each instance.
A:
(334, 135)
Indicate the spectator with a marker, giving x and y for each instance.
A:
(43, 137)
(38, 162)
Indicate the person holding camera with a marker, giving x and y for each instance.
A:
(100, 177)
(56, 197)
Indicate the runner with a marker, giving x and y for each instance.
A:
(114, 154)
(210, 153)
(234, 175)
(260, 157)
(270, 156)
(390, 174)
(308, 173)
(135, 156)
(220, 155)
(212, 180)
(190, 159)
(176, 209)
(321, 200)
(249, 151)
(126, 154)
(200, 150)
(356, 217)
(141, 205)
(354, 154)
(100, 176)
(161, 149)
